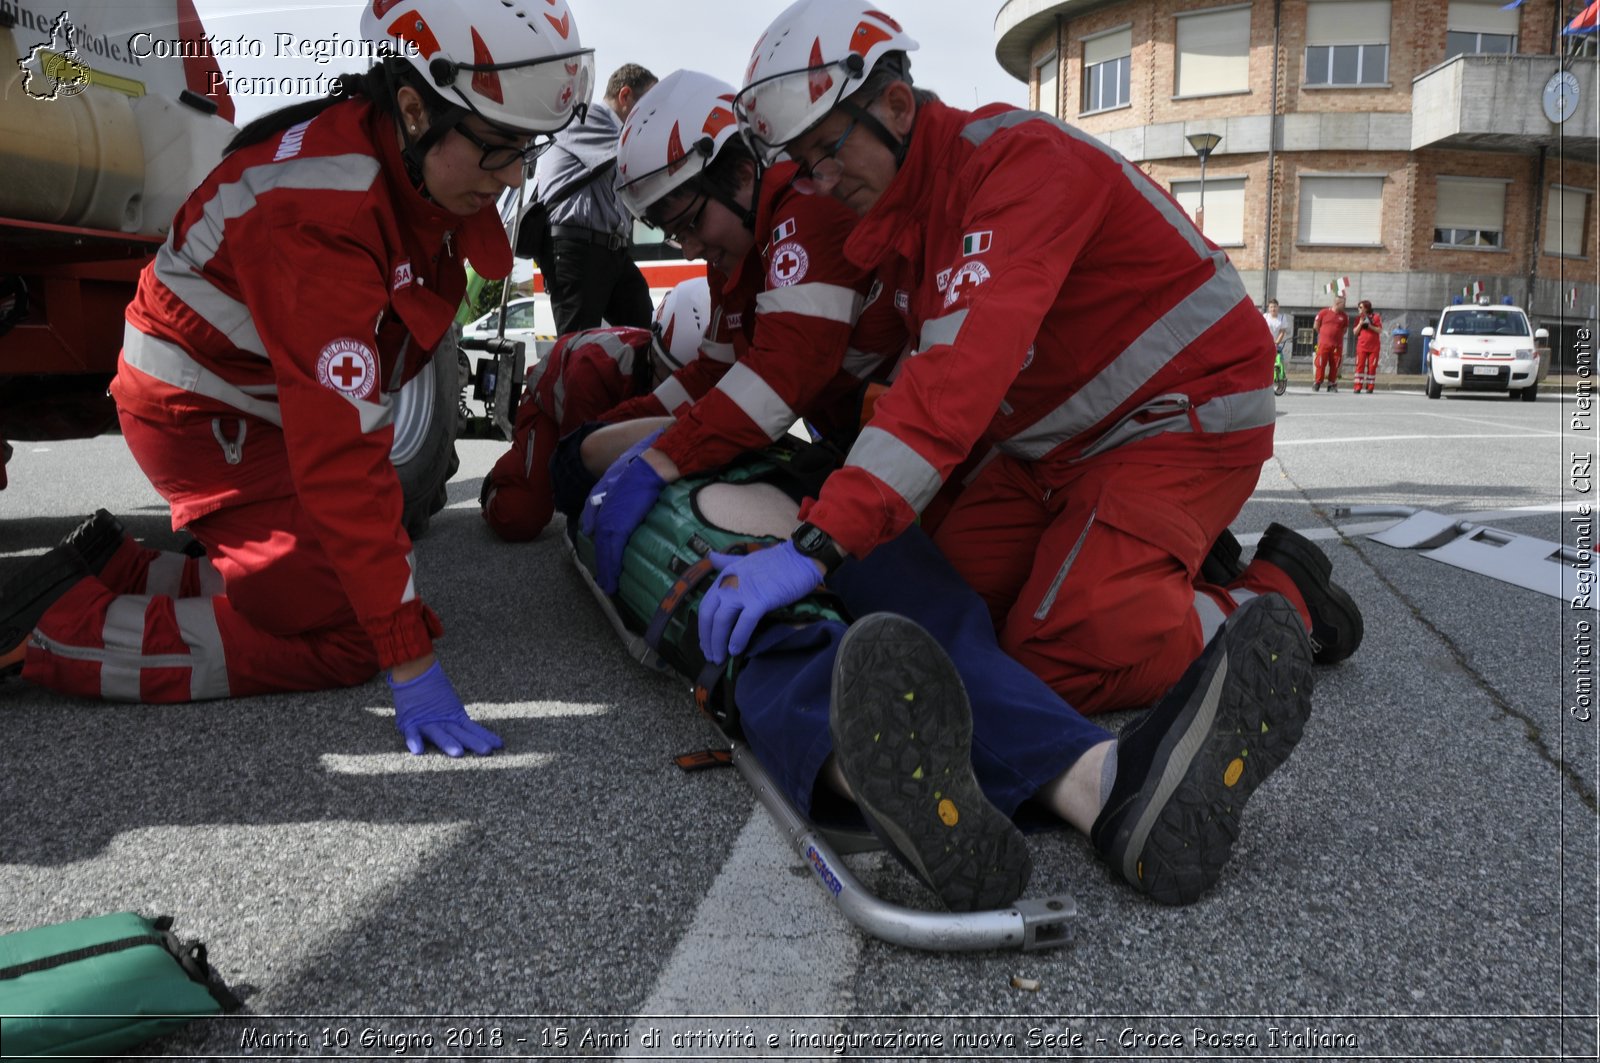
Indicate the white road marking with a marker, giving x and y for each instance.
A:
(1321, 440)
(764, 941)
(402, 761)
(1378, 524)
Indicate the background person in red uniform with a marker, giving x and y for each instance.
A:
(1369, 344)
(584, 375)
(1331, 324)
(796, 329)
(303, 282)
(1072, 325)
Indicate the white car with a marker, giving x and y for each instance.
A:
(528, 319)
(1484, 348)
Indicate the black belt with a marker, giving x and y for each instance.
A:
(610, 241)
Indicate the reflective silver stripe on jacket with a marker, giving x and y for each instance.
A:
(896, 464)
(123, 660)
(171, 364)
(719, 352)
(941, 330)
(180, 270)
(1171, 413)
(756, 398)
(831, 302)
(1152, 351)
(671, 394)
(862, 364)
(1135, 367)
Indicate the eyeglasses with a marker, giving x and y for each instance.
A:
(818, 177)
(499, 156)
(675, 229)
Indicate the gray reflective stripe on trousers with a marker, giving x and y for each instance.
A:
(831, 302)
(165, 575)
(122, 659)
(889, 459)
(1225, 413)
(410, 593)
(1049, 598)
(1210, 614)
(171, 364)
(671, 394)
(719, 352)
(1144, 358)
(756, 398)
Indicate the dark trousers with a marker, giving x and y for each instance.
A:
(590, 283)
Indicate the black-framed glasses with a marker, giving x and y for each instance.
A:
(817, 177)
(686, 223)
(499, 156)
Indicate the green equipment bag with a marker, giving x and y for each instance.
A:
(98, 986)
(665, 572)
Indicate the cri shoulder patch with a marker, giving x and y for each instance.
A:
(970, 275)
(349, 367)
(789, 265)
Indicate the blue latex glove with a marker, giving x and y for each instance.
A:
(427, 709)
(617, 506)
(750, 587)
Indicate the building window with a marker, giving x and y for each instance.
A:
(1347, 42)
(1345, 210)
(1565, 212)
(1480, 27)
(1049, 97)
(1469, 212)
(1106, 69)
(1214, 52)
(1224, 220)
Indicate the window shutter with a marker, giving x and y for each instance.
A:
(1563, 223)
(1214, 52)
(1049, 96)
(1479, 16)
(1224, 220)
(1340, 210)
(1113, 45)
(1464, 203)
(1331, 22)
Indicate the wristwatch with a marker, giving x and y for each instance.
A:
(811, 541)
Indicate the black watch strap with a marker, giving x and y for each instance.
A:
(811, 541)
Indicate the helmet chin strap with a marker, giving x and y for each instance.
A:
(416, 148)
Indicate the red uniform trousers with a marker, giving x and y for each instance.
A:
(1366, 367)
(1327, 362)
(521, 499)
(266, 614)
(1091, 578)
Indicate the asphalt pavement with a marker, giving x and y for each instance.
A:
(1420, 880)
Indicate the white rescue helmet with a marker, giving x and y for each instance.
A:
(812, 56)
(680, 323)
(671, 135)
(520, 66)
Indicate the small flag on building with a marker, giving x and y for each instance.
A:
(1572, 298)
(1337, 286)
(1477, 290)
(1587, 20)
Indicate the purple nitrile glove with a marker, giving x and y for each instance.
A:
(750, 587)
(427, 709)
(617, 506)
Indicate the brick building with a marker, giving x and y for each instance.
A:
(1405, 144)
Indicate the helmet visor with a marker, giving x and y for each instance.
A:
(776, 110)
(641, 194)
(540, 96)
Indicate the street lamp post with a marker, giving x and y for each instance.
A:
(1203, 144)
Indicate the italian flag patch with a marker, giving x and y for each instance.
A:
(977, 243)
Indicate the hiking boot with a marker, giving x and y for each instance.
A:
(27, 595)
(1336, 625)
(1222, 563)
(902, 736)
(1186, 768)
(1317, 386)
(96, 539)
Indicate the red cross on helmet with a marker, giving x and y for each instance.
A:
(672, 134)
(680, 323)
(520, 66)
(812, 56)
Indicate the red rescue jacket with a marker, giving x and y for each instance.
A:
(302, 284)
(1061, 306)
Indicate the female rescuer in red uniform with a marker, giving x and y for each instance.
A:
(307, 278)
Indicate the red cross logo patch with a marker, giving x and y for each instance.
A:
(970, 275)
(348, 367)
(789, 265)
